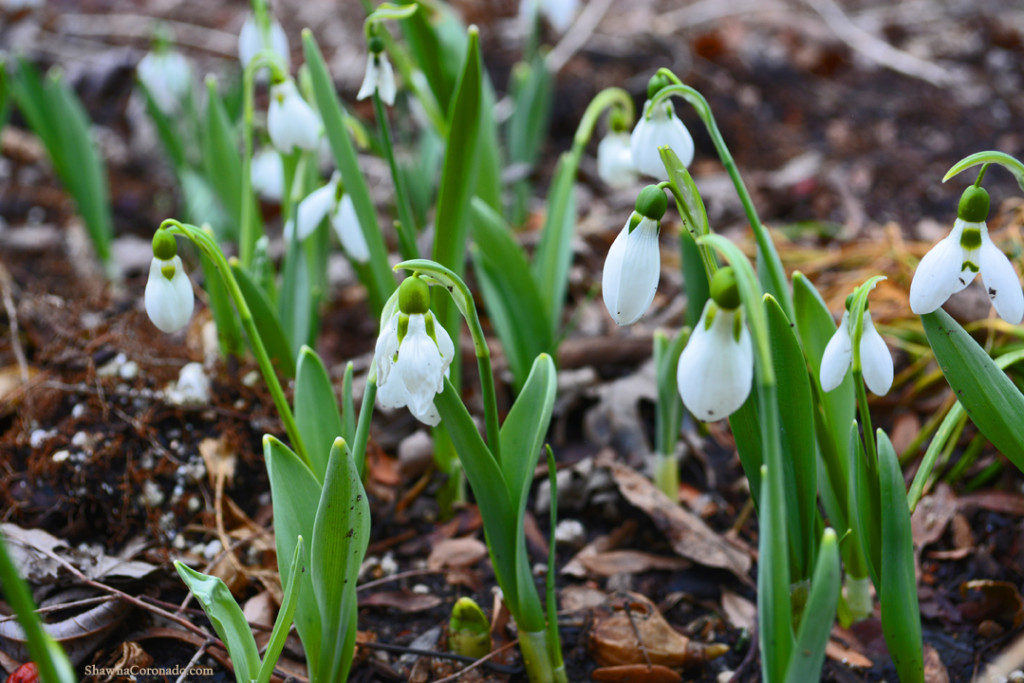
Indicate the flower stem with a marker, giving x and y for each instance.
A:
(210, 248)
(539, 669)
(363, 426)
(407, 227)
(607, 98)
(870, 449)
(776, 273)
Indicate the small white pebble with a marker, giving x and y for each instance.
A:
(570, 532)
(81, 440)
(192, 387)
(152, 496)
(540, 569)
(213, 549)
(251, 378)
(129, 370)
(78, 411)
(1016, 676)
(40, 436)
(420, 589)
(112, 367)
(388, 566)
(61, 455)
(194, 504)
(179, 542)
(725, 676)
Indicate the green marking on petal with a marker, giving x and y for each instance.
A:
(971, 266)
(709, 317)
(737, 328)
(168, 270)
(403, 328)
(971, 238)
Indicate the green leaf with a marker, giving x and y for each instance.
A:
(1008, 162)
(222, 163)
(695, 279)
(509, 291)
(296, 304)
(316, 409)
(229, 331)
(863, 510)
(283, 623)
(437, 40)
(901, 616)
(170, 140)
(990, 398)
(553, 256)
(293, 488)
(341, 535)
(227, 619)
(267, 324)
(375, 275)
(691, 208)
(774, 611)
(796, 410)
(670, 404)
(819, 614)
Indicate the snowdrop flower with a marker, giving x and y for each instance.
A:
(659, 127)
(953, 263)
(559, 13)
(633, 265)
(331, 201)
(875, 360)
(413, 354)
(254, 38)
(167, 77)
(615, 160)
(291, 122)
(169, 297)
(380, 77)
(267, 174)
(717, 366)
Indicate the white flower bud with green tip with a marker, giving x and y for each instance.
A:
(717, 366)
(659, 127)
(413, 355)
(291, 122)
(169, 296)
(252, 40)
(379, 77)
(167, 76)
(875, 359)
(633, 265)
(615, 160)
(330, 201)
(267, 174)
(953, 263)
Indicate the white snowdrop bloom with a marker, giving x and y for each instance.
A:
(379, 77)
(167, 76)
(659, 127)
(169, 297)
(325, 202)
(559, 13)
(875, 359)
(717, 366)
(291, 122)
(615, 160)
(633, 265)
(953, 263)
(252, 40)
(267, 174)
(413, 355)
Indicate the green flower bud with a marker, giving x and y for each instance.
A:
(652, 203)
(657, 82)
(469, 632)
(413, 296)
(974, 205)
(724, 290)
(165, 247)
(617, 120)
(376, 45)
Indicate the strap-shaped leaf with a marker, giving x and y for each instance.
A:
(901, 615)
(774, 611)
(293, 490)
(991, 400)
(316, 409)
(227, 619)
(554, 252)
(267, 324)
(819, 614)
(864, 505)
(222, 165)
(283, 622)
(341, 535)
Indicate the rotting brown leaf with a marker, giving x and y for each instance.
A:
(1001, 601)
(635, 673)
(932, 516)
(934, 669)
(402, 600)
(688, 534)
(630, 562)
(575, 566)
(739, 611)
(457, 553)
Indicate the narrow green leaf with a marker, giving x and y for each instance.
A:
(509, 291)
(796, 410)
(863, 510)
(901, 616)
(316, 409)
(437, 40)
(774, 612)
(376, 275)
(169, 139)
(229, 332)
(990, 398)
(670, 404)
(222, 163)
(341, 535)
(695, 278)
(553, 256)
(227, 619)
(267, 324)
(283, 622)
(293, 488)
(348, 407)
(691, 209)
(819, 615)
(296, 304)
(745, 426)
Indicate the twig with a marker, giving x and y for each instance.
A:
(195, 658)
(6, 285)
(477, 663)
(578, 35)
(401, 649)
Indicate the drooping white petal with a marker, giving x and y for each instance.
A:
(291, 122)
(875, 359)
(631, 272)
(1001, 281)
(267, 174)
(559, 13)
(447, 349)
(313, 209)
(838, 356)
(379, 77)
(939, 276)
(251, 41)
(385, 349)
(169, 302)
(346, 226)
(615, 160)
(716, 369)
(167, 77)
(419, 365)
(661, 128)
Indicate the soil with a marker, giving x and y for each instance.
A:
(843, 121)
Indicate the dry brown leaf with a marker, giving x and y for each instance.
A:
(617, 537)
(689, 535)
(576, 598)
(403, 600)
(457, 553)
(838, 652)
(934, 669)
(932, 515)
(1001, 601)
(1003, 502)
(630, 562)
(635, 673)
(129, 655)
(739, 611)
